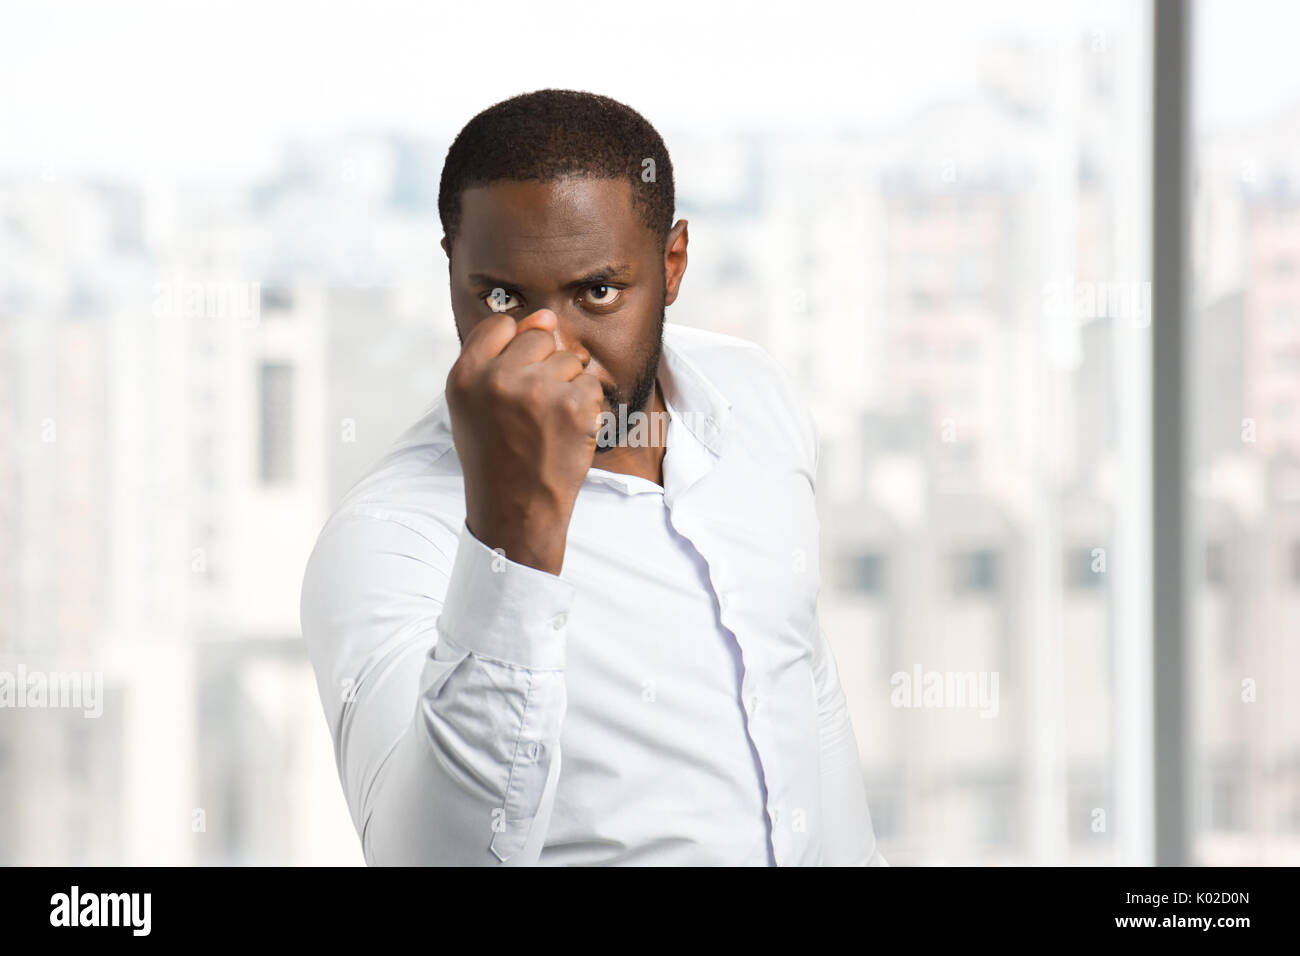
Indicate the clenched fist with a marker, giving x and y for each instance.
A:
(525, 417)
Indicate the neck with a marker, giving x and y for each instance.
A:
(645, 460)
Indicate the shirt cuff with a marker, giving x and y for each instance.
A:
(500, 609)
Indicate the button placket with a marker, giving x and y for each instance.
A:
(733, 618)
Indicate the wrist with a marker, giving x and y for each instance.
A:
(537, 542)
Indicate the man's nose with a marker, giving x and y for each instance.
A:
(567, 340)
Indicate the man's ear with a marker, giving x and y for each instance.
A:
(675, 260)
(445, 248)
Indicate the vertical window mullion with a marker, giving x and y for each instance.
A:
(1170, 227)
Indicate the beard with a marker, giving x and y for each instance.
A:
(644, 386)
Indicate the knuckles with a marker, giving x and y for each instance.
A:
(590, 387)
(493, 391)
(574, 407)
(459, 379)
(534, 393)
(496, 385)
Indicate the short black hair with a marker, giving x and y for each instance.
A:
(552, 134)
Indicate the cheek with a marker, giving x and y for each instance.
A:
(617, 356)
(631, 340)
(467, 312)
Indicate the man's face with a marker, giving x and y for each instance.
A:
(578, 248)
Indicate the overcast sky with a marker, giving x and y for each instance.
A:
(214, 89)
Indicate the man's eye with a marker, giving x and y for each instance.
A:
(604, 294)
(499, 300)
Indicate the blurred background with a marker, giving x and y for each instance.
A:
(222, 295)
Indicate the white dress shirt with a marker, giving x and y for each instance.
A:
(668, 699)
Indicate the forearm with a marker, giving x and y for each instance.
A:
(472, 777)
(447, 739)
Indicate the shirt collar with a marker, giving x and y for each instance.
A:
(696, 402)
(696, 406)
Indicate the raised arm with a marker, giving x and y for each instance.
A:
(442, 679)
(443, 685)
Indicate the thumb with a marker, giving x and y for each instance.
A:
(543, 319)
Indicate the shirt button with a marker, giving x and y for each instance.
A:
(559, 620)
(533, 750)
(753, 703)
(722, 601)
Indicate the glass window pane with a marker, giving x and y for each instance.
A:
(1246, 434)
(938, 231)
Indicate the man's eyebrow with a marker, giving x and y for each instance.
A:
(608, 273)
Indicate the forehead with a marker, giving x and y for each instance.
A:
(569, 225)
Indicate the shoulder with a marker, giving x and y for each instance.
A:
(763, 396)
(412, 493)
(417, 469)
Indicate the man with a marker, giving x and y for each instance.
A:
(542, 636)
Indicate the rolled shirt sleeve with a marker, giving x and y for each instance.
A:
(442, 679)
